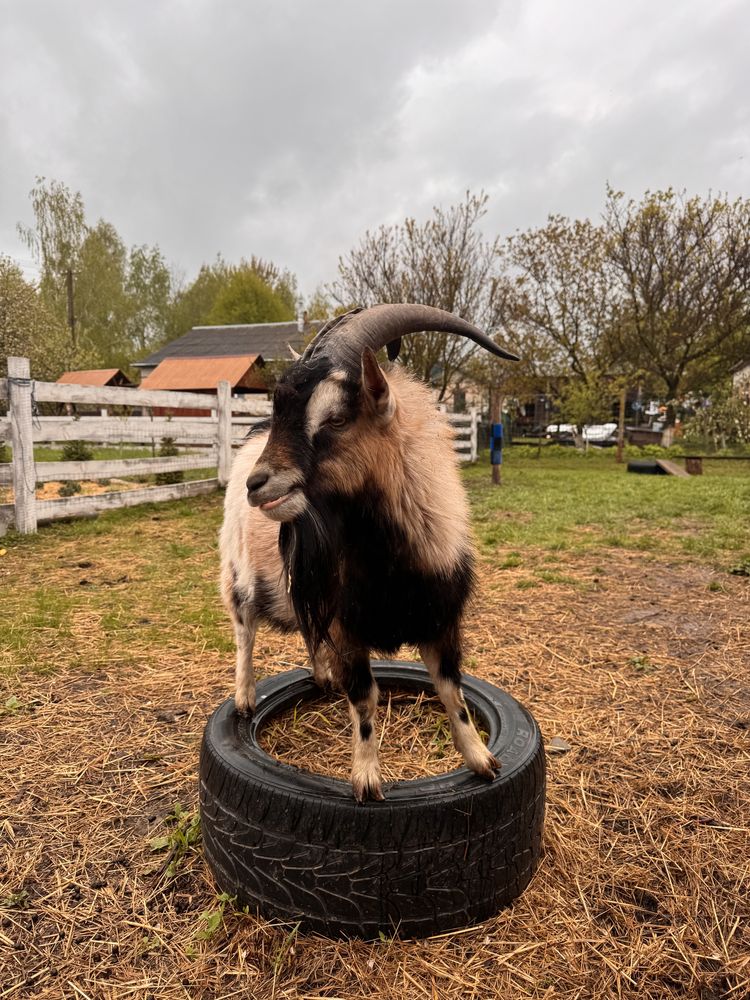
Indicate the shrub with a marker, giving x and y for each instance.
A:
(167, 449)
(5, 455)
(77, 451)
(70, 488)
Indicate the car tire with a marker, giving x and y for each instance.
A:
(439, 853)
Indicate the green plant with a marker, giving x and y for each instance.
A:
(70, 488)
(77, 451)
(168, 449)
(5, 455)
(184, 835)
(213, 918)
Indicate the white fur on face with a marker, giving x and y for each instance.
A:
(326, 401)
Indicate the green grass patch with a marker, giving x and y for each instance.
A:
(562, 502)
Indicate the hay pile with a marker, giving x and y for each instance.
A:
(643, 891)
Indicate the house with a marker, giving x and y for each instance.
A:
(266, 340)
(95, 376)
(203, 374)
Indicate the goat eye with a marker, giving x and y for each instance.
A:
(336, 422)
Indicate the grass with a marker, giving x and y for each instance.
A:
(614, 607)
(567, 503)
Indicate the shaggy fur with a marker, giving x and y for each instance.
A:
(372, 550)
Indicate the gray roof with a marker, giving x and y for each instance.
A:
(267, 339)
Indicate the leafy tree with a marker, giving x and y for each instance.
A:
(207, 300)
(191, 305)
(27, 329)
(558, 297)
(56, 241)
(148, 288)
(444, 262)
(115, 302)
(682, 267)
(724, 420)
(247, 298)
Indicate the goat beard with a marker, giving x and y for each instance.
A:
(311, 552)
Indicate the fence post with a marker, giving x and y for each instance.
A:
(22, 439)
(473, 433)
(224, 430)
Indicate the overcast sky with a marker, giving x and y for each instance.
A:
(287, 128)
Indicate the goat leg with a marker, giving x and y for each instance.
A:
(244, 676)
(362, 697)
(443, 660)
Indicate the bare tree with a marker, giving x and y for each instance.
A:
(444, 262)
(682, 266)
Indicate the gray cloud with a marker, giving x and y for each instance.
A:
(286, 128)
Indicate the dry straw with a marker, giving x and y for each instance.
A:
(644, 888)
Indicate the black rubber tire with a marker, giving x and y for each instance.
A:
(439, 853)
(646, 467)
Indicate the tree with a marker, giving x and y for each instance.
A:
(55, 241)
(148, 288)
(558, 297)
(207, 300)
(247, 298)
(682, 267)
(115, 302)
(27, 329)
(444, 262)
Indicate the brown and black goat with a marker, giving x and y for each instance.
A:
(348, 521)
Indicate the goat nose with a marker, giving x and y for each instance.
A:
(256, 480)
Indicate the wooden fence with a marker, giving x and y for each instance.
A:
(210, 440)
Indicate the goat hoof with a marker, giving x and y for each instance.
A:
(244, 707)
(367, 789)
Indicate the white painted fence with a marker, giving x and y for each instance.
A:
(210, 439)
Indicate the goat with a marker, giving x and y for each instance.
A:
(348, 521)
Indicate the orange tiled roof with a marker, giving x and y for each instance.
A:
(95, 376)
(205, 373)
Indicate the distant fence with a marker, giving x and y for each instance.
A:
(212, 435)
(210, 439)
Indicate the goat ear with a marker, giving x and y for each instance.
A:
(375, 386)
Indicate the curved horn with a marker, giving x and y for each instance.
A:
(384, 325)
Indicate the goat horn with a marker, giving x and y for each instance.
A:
(384, 325)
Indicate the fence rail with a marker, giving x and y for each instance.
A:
(211, 438)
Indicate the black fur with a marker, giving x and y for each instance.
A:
(349, 562)
(365, 730)
(261, 605)
(463, 716)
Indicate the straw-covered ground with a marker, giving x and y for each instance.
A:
(620, 626)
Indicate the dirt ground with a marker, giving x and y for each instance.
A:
(643, 668)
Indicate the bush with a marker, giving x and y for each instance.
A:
(167, 449)
(5, 456)
(70, 488)
(77, 451)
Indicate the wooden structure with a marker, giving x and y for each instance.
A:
(210, 440)
(95, 376)
(671, 468)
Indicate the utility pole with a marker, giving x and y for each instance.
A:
(621, 426)
(71, 311)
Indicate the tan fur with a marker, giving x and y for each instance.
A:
(467, 740)
(410, 459)
(401, 447)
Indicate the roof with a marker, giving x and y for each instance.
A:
(268, 339)
(93, 376)
(206, 373)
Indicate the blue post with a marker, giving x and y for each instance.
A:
(496, 444)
